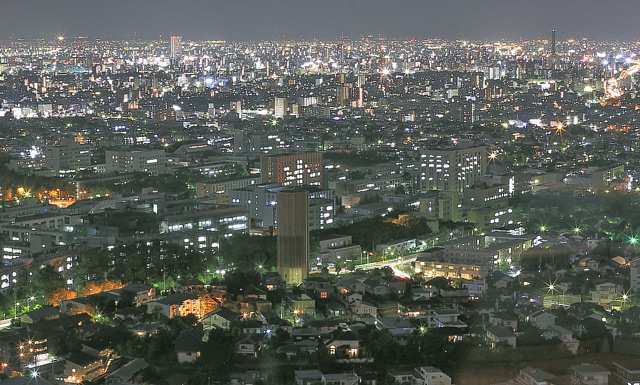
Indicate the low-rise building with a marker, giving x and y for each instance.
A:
(500, 335)
(177, 305)
(591, 374)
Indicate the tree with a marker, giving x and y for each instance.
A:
(59, 295)
(47, 280)
(127, 299)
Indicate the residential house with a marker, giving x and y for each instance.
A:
(320, 286)
(272, 322)
(273, 281)
(143, 293)
(591, 374)
(538, 317)
(326, 326)
(503, 319)
(177, 305)
(447, 318)
(403, 376)
(564, 335)
(187, 285)
(363, 307)
(251, 326)
(220, 318)
(307, 377)
(344, 344)
(585, 264)
(249, 344)
(129, 313)
(532, 376)
(346, 378)
(250, 377)
(81, 366)
(83, 304)
(605, 293)
(433, 376)
(397, 285)
(302, 304)
(627, 370)
(501, 280)
(424, 293)
(352, 296)
(337, 309)
(376, 287)
(400, 329)
(350, 283)
(42, 314)
(188, 345)
(129, 373)
(306, 334)
(500, 335)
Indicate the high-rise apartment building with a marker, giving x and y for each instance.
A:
(452, 169)
(293, 235)
(176, 47)
(280, 108)
(292, 169)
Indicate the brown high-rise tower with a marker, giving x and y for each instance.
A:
(293, 234)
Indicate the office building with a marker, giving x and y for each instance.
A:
(261, 203)
(443, 205)
(293, 169)
(67, 157)
(293, 235)
(452, 169)
(123, 161)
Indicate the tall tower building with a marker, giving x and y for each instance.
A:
(176, 47)
(280, 107)
(292, 169)
(293, 235)
(452, 169)
(553, 41)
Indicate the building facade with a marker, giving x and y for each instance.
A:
(293, 169)
(293, 235)
(452, 169)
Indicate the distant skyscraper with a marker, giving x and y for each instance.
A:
(553, 41)
(293, 235)
(176, 47)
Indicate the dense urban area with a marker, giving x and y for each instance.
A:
(366, 211)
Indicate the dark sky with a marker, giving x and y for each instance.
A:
(303, 19)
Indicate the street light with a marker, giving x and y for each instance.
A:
(552, 288)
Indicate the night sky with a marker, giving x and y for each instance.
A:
(323, 19)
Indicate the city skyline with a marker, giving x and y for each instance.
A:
(283, 19)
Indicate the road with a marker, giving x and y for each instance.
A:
(387, 263)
